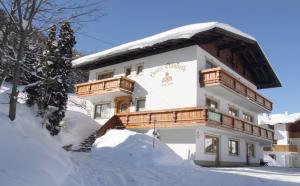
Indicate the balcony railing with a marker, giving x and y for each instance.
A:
(104, 86)
(195, 116)
(283, 148)
(217, 76)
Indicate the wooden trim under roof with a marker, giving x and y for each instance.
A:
(258, 65)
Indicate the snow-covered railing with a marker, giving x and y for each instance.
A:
(194, 116)
(104, 86)
(217, 76)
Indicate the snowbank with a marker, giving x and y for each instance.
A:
(184, 32)
(271, 161)
(29, 155)
(123, 157)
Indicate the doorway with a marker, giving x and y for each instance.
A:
(122, 104)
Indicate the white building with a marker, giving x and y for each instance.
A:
(286, 148)
(197, 85)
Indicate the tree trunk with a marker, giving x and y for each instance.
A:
(16, 80)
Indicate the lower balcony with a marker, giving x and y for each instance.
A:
(189, 117)
(222, 83)
(106, 88)
(283, 148)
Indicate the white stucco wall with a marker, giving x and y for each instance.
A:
(224, 155)
(181, 65)
(181, 141)
(281, 134)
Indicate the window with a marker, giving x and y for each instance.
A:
(247, 117)
(105, 75)
(233, 112)
(123, 107)
(140, 105)
(211, 104)
(209, 65)
(233, 146)
(139, 69)
(211, 144)
(251, 149)
(102, 111)
(127, 71)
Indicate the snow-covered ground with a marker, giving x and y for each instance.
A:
(31, 157)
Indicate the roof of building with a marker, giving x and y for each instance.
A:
(181, 37)
(279, 118)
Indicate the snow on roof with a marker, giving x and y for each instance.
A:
(184, 32)
(280, 119)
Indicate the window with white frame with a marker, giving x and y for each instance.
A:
(140, 104)
(233, 147)
(233, 111)
(127, 71)
(212, 104)
(211, 143)
(251, 149)
(102, 111)
(247, 117)
(139, 69)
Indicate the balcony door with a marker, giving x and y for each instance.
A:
(122, 104)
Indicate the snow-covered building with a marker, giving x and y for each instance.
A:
(286, 148)
(197, 85)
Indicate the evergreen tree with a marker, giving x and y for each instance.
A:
(59, 74)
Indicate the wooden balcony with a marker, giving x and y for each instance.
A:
(217, 76)
(187, 117)
(283, 148)
(122, 84)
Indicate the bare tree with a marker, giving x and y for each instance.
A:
(23, 17)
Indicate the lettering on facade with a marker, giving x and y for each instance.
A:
(168, 66)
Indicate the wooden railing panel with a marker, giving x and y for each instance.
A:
(217, 76)
(256, 130)
(105, 85)
(238, 124)
(282, 148)
(248, 127)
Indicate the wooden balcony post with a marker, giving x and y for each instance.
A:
(174, 116)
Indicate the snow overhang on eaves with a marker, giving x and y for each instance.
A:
(175, 38)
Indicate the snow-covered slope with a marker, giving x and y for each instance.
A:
(29, 156)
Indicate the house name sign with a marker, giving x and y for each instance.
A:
(168, 66)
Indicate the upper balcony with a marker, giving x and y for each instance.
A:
(217, 80)
(117, 86)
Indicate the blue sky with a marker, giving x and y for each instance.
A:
(275, 24)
